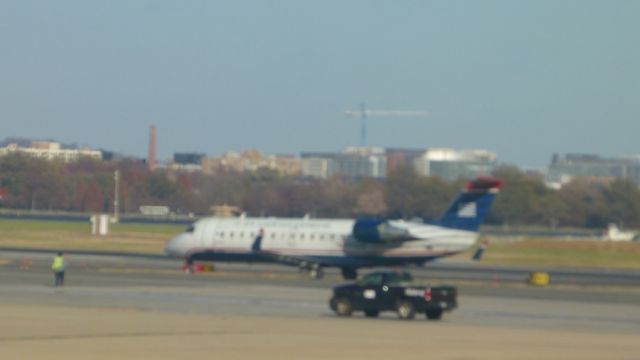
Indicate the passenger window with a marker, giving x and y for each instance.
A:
(301, 236)
(231, 234)
(312, 237)
(191, 228)
(273, 235)
(402, 277)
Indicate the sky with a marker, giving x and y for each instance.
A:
(525, 79)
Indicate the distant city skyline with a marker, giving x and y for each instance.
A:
(522, 79)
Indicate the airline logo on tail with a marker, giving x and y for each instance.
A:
(467, 210)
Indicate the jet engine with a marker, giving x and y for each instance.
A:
(378, 231)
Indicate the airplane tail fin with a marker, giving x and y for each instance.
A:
(469, 209)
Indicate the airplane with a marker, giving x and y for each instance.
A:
(314, 244)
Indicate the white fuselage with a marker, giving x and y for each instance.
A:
(326, 241)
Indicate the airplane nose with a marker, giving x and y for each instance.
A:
(176, 246)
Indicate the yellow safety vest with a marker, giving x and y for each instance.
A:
(58, 264)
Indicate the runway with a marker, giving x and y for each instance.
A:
(115, 299)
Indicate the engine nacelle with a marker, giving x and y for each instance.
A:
(378, 231)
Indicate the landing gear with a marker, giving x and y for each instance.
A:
(349, 273)
(316, 272)
(313, 271)
(188, 267)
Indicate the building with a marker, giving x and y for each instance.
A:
(399, 158)
(359, 162)
(564, 168)
(252, 160)
(353, 162)
(452, 164)
(318, 165)
(49, 150)
(187, 161)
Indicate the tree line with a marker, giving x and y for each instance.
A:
(88, 186)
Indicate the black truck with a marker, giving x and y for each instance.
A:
(392, 291)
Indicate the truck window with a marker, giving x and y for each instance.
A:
(371, 280)
(396, 278)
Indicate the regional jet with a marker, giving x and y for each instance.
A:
(348, 244)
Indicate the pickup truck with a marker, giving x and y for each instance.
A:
(392, 291)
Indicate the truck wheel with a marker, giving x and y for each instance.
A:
(371, 313)
(435, 314)
(405, 310)
(343, 307)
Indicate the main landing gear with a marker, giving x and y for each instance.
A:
(188, 268)
(313, 271)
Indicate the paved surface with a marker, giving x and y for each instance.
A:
(127, 307)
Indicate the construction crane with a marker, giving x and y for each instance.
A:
(364, 113)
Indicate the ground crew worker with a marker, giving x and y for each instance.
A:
(58, 269)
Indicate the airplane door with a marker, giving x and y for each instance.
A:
(209, 237)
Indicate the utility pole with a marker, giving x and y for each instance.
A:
(116, 192)
(364, 113)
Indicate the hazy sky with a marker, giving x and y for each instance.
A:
(522, 78)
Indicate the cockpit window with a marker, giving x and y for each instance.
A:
(191, 228)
